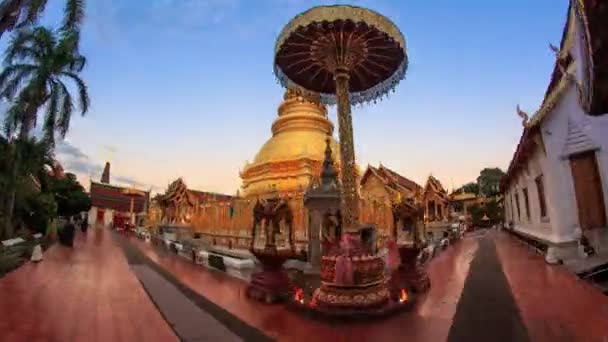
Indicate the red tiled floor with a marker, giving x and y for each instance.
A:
(429, 321)
(83, 294)
(554, 305)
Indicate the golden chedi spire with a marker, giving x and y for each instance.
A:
(294, 154)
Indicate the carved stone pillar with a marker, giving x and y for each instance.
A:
(314, 239)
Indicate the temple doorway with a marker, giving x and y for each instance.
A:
(588, 190)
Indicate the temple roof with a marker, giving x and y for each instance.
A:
(108, 196)
(592, 14)
(178, 191)
(595, 15)
(391, 179)
(463, 196)
(435, 184)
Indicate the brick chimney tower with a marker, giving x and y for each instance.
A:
(105, 176)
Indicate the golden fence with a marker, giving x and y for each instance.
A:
(229, 223)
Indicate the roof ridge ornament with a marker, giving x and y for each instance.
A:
(564, 70)
(525, 118)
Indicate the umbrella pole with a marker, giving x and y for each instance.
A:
(350, 195)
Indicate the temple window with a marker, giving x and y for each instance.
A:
(540, 188)
(526, 202)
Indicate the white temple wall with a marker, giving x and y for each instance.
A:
(108, 217)
(92, 216)
(535, 225)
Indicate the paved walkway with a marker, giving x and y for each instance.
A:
(485, 287)
(82, 294)
(554, 305)
(486, 310)
(193, 317)
(429, 321)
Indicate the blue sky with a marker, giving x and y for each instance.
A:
(185, 87)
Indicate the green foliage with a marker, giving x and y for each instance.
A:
(471, 187)
(39, 198)
(489, 181)
(37, 64)
(476, 212)
(494, 211)
(18, 14)
(491, 208)
(70, 196)
(37, 211)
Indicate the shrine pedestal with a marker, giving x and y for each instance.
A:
(410, 274)
(271, 284)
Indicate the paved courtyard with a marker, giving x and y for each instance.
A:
(486, 287)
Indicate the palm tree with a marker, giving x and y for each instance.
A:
(37, 64)
(15, 14)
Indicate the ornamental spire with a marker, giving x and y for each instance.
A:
(329, 176)
(105, 176)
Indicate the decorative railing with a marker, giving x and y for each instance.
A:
(229, 223)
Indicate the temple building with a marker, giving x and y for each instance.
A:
(382, 182)
(435, 201)
(460, 202)
(287, 166)
(557, 182)
(113, 205)
(293, 156)
(180, 205)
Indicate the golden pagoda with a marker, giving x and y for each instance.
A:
(293, 156)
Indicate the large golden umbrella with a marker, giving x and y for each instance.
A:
(347, 55)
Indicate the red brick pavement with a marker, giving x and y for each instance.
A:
(83, 294)
(429, 321)
(555, 306)
(89, 294)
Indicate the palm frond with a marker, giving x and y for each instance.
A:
(52, 109)
(83, 93)
(34, 10)
(13, 117)
(12, 77)
(78, 64)
(10, 11)
(36, 43)
(67, 107)
(73, 15)
(44, 39)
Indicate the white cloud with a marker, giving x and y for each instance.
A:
(74, 160)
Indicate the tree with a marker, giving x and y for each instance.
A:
(489, 181)
(37, 160)
(494, 211)
(70, 196)
(476, 212)
(15, 14)
(36, 66)
(470, 187)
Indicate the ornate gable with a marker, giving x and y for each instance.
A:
(577, 141)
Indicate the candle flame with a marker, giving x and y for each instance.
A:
(299, 296)
(402, 296)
